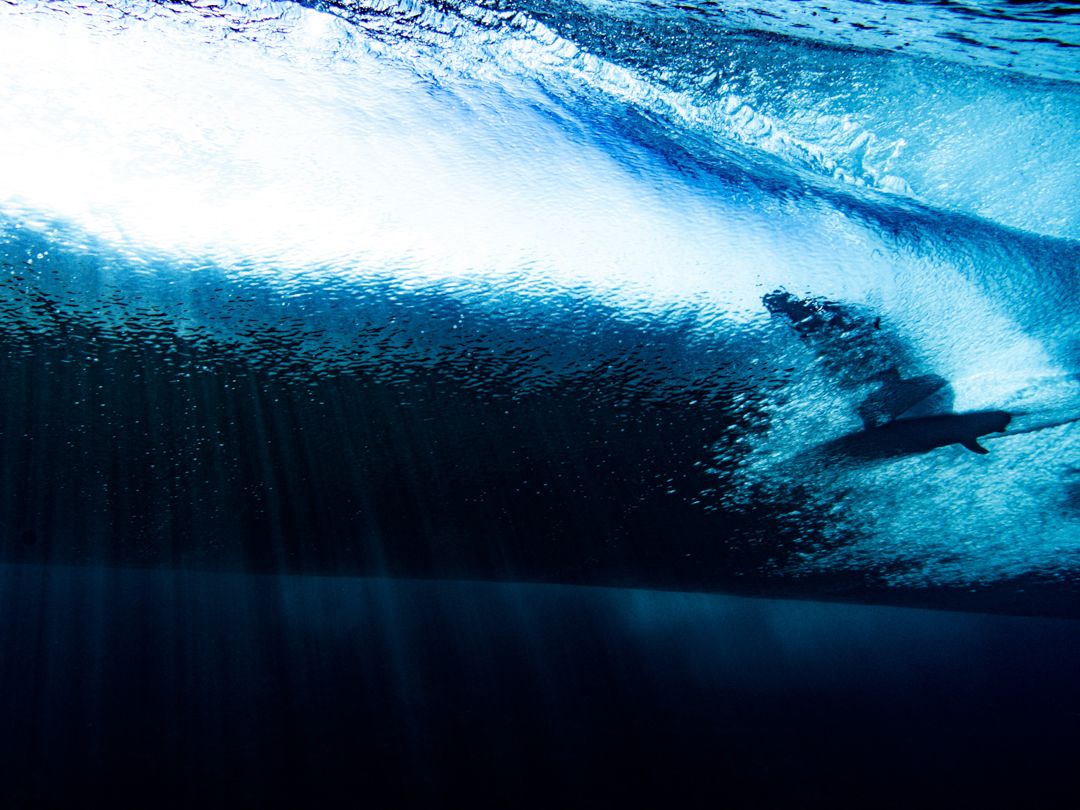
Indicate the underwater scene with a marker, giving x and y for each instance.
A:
(515, 403)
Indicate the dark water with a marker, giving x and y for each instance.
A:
(182, 689)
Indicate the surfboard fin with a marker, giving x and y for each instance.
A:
(974, 447)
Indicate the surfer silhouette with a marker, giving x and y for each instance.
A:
(858, 352)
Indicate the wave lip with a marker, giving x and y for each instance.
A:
(1033, 39)
(909, 121)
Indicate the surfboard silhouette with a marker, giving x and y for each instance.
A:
(1035, 401)
(910, 410)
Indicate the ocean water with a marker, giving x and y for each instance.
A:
(174, 688)
(556, 402)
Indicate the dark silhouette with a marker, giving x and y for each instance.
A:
(897, 394)
(858, 351)
(905, 437)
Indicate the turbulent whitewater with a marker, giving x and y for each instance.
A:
(585, 291)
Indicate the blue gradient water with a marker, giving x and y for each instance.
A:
(301, 301)
(192, 689)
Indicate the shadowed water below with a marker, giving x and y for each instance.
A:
(195, 689)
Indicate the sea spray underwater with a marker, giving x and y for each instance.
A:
(700, 297)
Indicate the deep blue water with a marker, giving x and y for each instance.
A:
(553, 403)
(177, 688)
